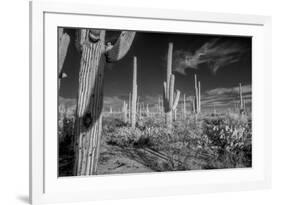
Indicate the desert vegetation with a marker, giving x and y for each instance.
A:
(196, 142)
(176, 134)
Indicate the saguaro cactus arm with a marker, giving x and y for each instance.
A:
(81, 37)
(176, 100)
(171, 90)
(173, 102)
(197, 97)
(165, 90)
(64, 40)
(121, 47)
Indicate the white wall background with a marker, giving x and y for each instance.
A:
(14, 100)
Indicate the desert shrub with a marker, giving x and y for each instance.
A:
(124, 136)
(66, 151)
(222, 141)
(66, 132)
(230, 139)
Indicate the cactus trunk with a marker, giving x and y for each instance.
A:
(169, 102)
(134, 95)
(197, 98)
(241, 100)
(184, 107)
(175, 114)
(147, 110)
(193, 105)
(89, 109)
(90, 95)
(129, 105)
(125, 111)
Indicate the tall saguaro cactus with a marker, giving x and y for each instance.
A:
(125, 111)
(193, 105)
(197, 99)
(147, 110)
(95, 54)
(129, 107)
(159, 106)
(170, 103)
(214, 109)
(134, 95)
(241, 100)
(184, 107)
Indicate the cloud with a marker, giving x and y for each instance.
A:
(215, 53)
(233, 90)
(226, 96)
(111, 100)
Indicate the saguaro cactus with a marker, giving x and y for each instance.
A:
(184, 107)
(170, 103)
(125, 111)
(197, 99)
(159, 107)
(63, 41)
(95, 54)
(214, 109)
(147, 110)
(134, 95)
(175, 114)
(193, 105)
(140, 110)
(129, 107)
(241, 100)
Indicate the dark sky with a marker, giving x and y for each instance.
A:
(220, 63)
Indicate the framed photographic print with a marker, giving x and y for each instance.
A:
(129, 102)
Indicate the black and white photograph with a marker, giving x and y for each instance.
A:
(146, 101)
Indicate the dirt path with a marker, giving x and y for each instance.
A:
(115, 160)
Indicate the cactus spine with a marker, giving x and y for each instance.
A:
(197, 99)
(134, 95)
(169, 102)
(95, 54)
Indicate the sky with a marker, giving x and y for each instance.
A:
(220, 63)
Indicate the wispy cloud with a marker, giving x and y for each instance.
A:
(215, 53)
(233, 90)
(226, 96)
